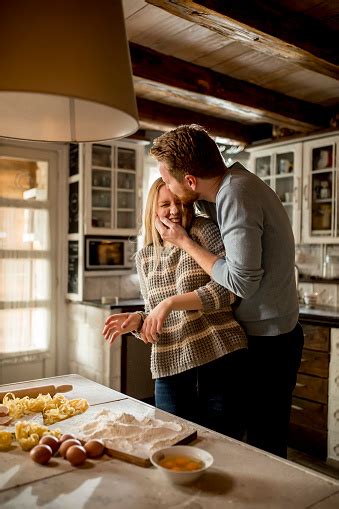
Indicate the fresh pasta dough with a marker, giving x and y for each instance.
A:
(53, 409)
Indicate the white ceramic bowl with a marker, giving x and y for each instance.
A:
(178, 477)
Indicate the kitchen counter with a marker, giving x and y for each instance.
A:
(320, 315)
(118, 304)
(241, 476)
(323, 315)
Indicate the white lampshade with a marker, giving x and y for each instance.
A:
(65, 71)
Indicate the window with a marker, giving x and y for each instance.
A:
(26, 268)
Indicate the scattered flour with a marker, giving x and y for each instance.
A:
(133, 436)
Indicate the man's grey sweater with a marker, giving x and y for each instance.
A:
(260, 251)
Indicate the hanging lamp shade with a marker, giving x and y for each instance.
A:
(65, 71)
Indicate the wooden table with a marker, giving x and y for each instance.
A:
(241, 477)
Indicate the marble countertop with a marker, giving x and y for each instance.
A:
(241, 476)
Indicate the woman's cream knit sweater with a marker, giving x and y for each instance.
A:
(189, 338)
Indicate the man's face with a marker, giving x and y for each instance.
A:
(181, 189)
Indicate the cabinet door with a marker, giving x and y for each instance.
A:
(100, 181)
(280, 167)
(320, 224)
(126, 187)
(113, 175)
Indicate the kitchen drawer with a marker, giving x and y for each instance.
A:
(314, 363)
(309, 413)
(311, 387)
(316, 338)
(310, 440)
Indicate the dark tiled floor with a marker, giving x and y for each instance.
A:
(315, 464)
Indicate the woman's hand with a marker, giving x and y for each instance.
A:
(154, 321)
(120, 323)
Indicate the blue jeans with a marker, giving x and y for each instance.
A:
(211, 395)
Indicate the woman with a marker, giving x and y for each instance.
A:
(199, 351)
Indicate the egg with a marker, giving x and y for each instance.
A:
(94, 448)
(41, 454)
(66, 436)
(66, 444)
(52, 441)
(76, 454)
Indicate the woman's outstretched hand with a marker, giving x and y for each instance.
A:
(120, 323)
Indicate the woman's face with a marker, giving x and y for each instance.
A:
(169, 205)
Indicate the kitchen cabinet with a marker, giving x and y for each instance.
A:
(112, 173)
(309, 413)
(320, 190)
(280, 167)
(104, 196)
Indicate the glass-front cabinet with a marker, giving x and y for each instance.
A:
(320, 195)
(112, 176)
(281, 169)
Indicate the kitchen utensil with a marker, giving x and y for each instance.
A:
(182, 477)
(33, 392)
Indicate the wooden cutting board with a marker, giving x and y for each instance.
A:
(144, 461)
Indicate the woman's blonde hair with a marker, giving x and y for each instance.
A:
(151, 234)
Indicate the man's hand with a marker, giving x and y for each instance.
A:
(171, 232)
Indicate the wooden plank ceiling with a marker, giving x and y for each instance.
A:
(247, 70)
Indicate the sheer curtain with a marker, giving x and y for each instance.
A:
(25, 256)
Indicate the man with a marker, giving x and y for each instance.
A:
(258, 268)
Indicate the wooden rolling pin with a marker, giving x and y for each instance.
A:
(33, 392)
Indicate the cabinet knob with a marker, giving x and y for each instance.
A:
(298, 384)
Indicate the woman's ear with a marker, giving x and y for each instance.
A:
(191, 181)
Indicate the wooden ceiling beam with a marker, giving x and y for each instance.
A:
(264, 26)
(278, 108)
(161, 116)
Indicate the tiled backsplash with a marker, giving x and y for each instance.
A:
(125, 287)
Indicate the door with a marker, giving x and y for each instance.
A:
(29, 245)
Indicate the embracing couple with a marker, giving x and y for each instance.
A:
(221, 308)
